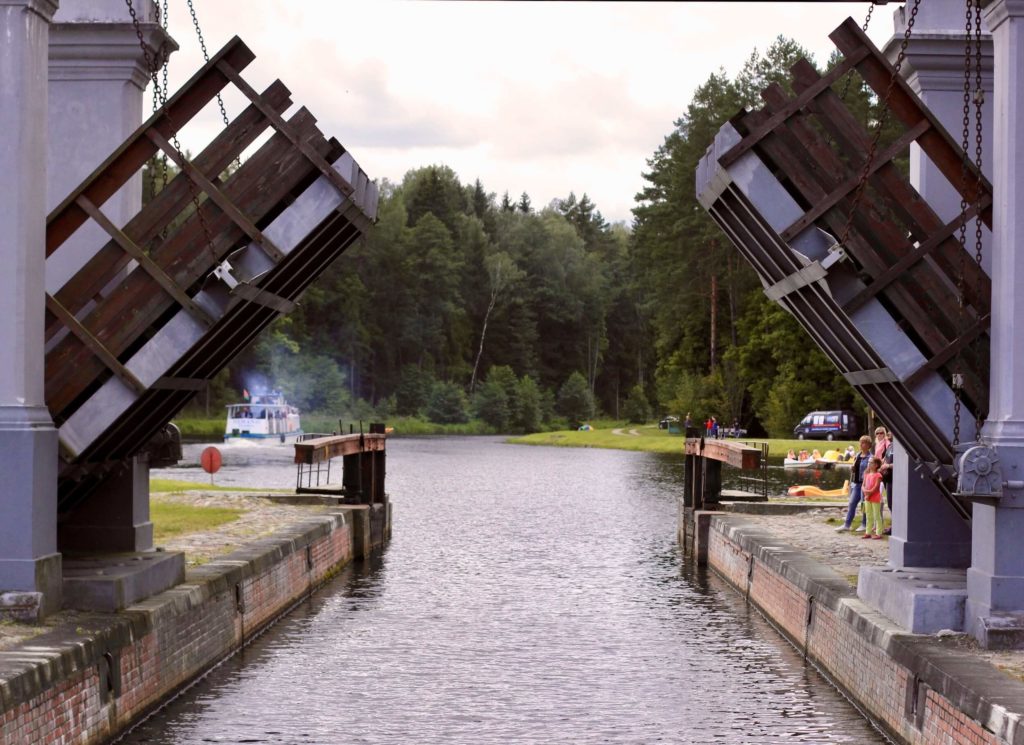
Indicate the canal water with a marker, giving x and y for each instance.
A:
(529, 595)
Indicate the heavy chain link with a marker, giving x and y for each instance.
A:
(979, 100)
(161, 96)
(851, 73)
(206, 57)
(882, 118)
(962, 229)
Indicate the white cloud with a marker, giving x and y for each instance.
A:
(545, 98)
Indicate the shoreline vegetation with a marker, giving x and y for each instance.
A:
(616, 435)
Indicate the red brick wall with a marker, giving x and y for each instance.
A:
(858, 665)
(190, 631)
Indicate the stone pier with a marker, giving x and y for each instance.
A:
(30, 567)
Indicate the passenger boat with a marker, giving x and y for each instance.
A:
(262, 416)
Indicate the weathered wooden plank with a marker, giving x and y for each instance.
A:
(906, 261)
(921, 221)
(115, 171)
(94, 346)
(756, 135)
(167, 204)
(937, 143)
(186, 257)
(281, 126)
(217, 196)
(730, 452)
(147, 264)
(814, 183)
(325, 448)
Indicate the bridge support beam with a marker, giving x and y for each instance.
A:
(995, 580)
(30, 567)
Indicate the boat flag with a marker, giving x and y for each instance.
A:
(245, 394)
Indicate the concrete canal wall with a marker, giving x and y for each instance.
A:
(86, 681)
(919, 689)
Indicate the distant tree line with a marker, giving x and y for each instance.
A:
(462, 304)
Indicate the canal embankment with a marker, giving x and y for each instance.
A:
(919, 689)
(92, 676)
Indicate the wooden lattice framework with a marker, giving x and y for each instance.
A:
(110, 308)
(908, 258)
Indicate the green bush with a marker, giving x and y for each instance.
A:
(637, 408)
(447, 404)
(575, 401)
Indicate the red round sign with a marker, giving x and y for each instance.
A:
(211, 460)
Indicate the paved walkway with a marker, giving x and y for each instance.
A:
(261, 518)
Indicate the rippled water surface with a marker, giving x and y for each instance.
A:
(529, 595)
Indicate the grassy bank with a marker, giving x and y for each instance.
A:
(201, 428)
(172, 519)
(619, 436)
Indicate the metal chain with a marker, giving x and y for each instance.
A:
(957, 378)
(851, 73)
(206, 57)
(882, 118)
(164, 21)
(151, 65)
(979, 100)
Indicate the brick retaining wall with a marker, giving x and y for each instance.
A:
(85, 684)
(916, 688)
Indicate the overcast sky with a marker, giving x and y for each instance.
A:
(545, 98)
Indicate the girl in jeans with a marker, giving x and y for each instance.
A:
(873, 498)
(860, 464)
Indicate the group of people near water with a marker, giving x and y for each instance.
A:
(870, 486)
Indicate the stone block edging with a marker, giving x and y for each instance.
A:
(916, 687)
(115, 667)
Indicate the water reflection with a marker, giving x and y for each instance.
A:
(530, 595)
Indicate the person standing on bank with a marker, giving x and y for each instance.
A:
(887, 478)
(873, 499)
(882, 443)
(860, 465)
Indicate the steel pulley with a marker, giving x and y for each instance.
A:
(979, 474)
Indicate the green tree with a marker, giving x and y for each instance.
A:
(637, 409)
(575, 401)
(447, 404)
(491, 405)
(529, 406)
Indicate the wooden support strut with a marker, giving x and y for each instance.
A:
(937, 143)
(254, 294)
(282, 126)
(147, 264)
(94, 345)
(850, 185)
(768, 126)
(945, 355)
(908, 260)
(217, 196)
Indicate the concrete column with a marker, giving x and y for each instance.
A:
(995, 581)
(98, 77)
(30, 576)
(926, 531)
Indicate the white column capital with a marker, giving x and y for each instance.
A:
(106, 51)
(44, 8)
(997, 12)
